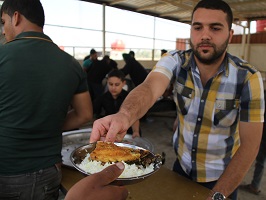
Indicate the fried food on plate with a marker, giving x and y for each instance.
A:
(109, 152)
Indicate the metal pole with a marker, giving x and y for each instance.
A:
(247, 53)
(153, 49)
(242, 54)
(103, 50)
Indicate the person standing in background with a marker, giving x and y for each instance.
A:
(96, 73)
(134, 69)
(89, 60)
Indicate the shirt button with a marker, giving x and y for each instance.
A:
(193, 161)
(202, 101)
(195, 135)
(199, 119)
(193, 150)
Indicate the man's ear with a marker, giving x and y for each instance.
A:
(124, 83)
(231, 33)
(16, 19)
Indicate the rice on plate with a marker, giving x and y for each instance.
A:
(132, 170)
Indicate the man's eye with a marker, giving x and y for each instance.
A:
(216, 28)
(197, 28)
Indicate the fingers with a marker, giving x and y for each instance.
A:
(97, 186)
(110, 129)
(99, 131)
(111, 173)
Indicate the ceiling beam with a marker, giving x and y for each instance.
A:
(151, 6)
(115, 2)
(246, 3)
(180, 5)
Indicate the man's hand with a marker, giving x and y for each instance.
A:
(97, 186)
(110, 128)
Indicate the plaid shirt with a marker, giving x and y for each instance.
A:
(209, 115)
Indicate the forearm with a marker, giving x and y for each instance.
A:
(74, 120)
(137, 103)
(140, 99)
(250, 137)
(235, 171)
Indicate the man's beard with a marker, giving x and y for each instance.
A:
(216, 55)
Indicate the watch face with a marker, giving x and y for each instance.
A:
(218, 196)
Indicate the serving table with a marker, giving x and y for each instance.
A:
(164, 184)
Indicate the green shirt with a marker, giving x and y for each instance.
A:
(37, 83)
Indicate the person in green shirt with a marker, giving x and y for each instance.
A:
(38, 84)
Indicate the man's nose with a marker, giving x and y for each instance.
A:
(206, 34)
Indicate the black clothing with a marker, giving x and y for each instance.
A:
(98, 71)
(135, 70)
(113, 64)
(107, 105)
(95, 75)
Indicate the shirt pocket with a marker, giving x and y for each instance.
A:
(226, 112)
(184, 96)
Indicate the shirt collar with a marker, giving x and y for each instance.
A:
(191, 64)
(33, 34)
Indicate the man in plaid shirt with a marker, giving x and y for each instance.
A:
(220, 103)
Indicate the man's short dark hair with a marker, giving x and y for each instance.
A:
(93, 52)
(216, 5)
(116, 73)
(163, 51)
(32, 10)
(132, 53)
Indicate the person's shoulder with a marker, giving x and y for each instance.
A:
(235, 61)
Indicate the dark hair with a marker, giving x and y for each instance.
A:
(93, 51)
(132, 53)
(126, 57)
(106, 57)
(163, 51)
(32, 10)
(216, 5)
(116, 73)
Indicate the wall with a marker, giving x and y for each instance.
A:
(256, 58)
(256, 54)
(147, 64)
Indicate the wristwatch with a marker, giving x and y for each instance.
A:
(218, 196)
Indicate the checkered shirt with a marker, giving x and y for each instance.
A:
(209, 115)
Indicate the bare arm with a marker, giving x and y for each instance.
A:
(81, 113)
(250, 137)
(136, 104)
